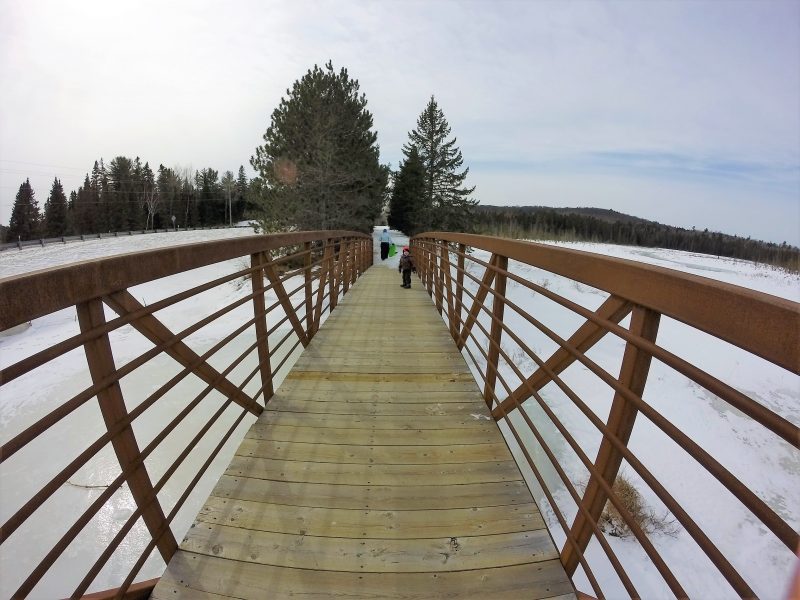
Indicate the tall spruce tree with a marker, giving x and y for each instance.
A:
(240, 204)
(320, 159)
(25, 223)
(55, 211)
(122, 199)
(407, 211)
(446, 203)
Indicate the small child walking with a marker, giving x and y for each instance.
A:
(406, 266)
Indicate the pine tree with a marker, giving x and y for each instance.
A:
(447, 203)
(240, 204)
(120, 192)
(55, 211)
(25, 223)
(406, 208)
(320, 159)
(228, 185)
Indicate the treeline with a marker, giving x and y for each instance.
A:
(596, 225)
(126, 195)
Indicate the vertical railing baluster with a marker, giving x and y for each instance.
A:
(100, 360)
(496, 331)
(633, 375)
(257, 262)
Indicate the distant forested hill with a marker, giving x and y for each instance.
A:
(609, 226)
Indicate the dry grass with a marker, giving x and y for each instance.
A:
(612, 523)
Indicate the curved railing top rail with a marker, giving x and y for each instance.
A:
(31, 295)
(765, 325)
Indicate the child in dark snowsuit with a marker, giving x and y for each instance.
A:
(406, 266)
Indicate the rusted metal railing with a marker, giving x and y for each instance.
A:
(321, 265)
(494, 333)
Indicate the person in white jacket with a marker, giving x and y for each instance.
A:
(386, 241)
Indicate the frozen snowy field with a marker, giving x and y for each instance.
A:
(771, 468)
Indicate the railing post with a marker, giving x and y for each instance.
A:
(621, 417)
(260, 312)
(325, 278)
(438, 274)
(429, 268)
(346, 266)
(448, 285)
(309, 293)
(112, 406)
(462, 250)
(496, 331)
(480, 296)
(336, 263)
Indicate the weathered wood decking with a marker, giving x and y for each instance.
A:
(375, 472)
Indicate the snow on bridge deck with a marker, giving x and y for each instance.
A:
(375, 472)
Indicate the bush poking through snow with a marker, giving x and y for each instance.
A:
(612, 523)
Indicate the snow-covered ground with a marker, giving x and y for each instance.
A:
(767, 465)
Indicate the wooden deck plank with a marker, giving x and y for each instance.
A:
(385, 421)
(365, 407)
(376, 471)
(370, 555)
(382, 524)
(355, 474)
(202, 577)
(349, 453)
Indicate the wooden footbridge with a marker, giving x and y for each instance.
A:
(376, 469)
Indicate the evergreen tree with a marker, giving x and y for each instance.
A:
(121, 194)
(169, 191)
(84, 209)
(406, 208)
(319, 162)
(26, 219)
(447, 205)
(228, 185)
(150, 200)
(210, 202)
(55, 211)
(240, 204)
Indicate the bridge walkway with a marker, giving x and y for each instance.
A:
(375, 472)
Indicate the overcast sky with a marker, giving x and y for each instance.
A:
(684, 112)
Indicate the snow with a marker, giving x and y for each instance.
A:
(767, 465)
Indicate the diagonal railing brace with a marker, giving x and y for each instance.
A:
(123, 302)
(614, 309)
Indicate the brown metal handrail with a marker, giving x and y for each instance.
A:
(476, 309)
(325, 262)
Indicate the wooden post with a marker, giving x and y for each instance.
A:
(632, 375)
(462, 249)
(439, 275)
(325, 277)
(448, 285)
(259, 310)
(112, 406)
(429, 269)
(496, 332)
(480, 296)
(346, 266)
(309, 293)
(336, 278)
